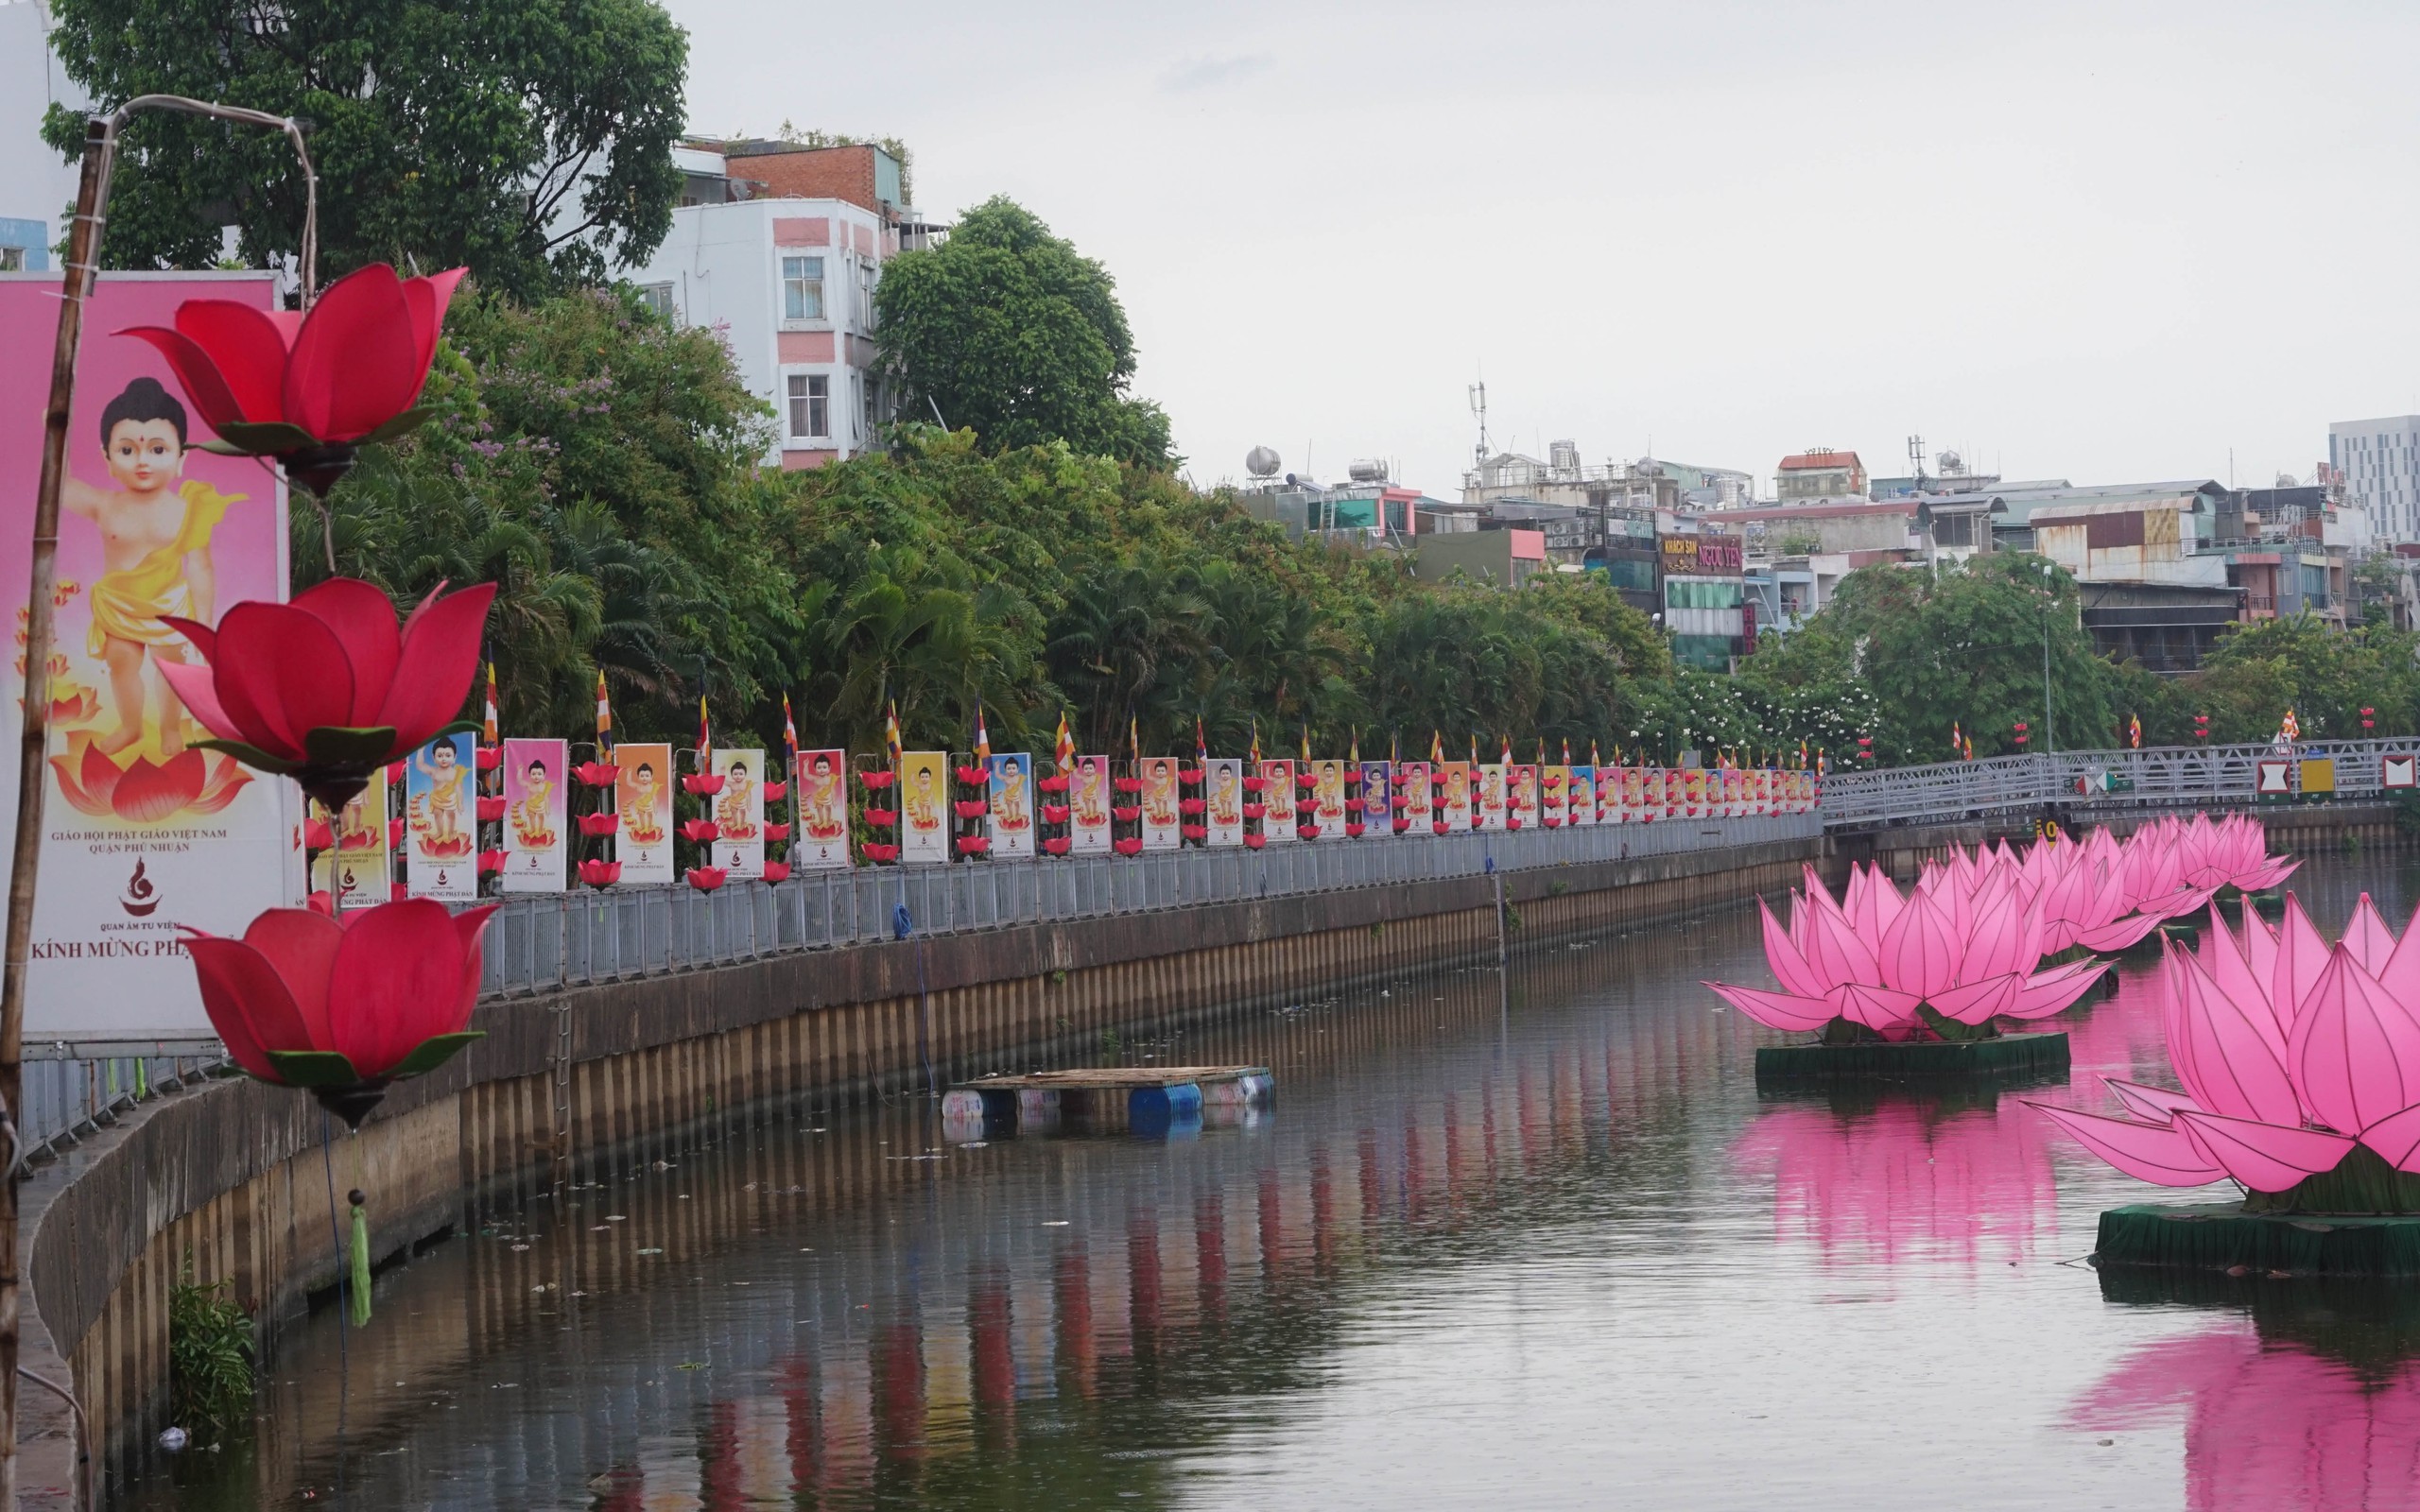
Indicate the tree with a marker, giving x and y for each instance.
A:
(529, 140)
(1008, 331)
(2257, 671)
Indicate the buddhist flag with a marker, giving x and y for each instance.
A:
(1566, 752)
(891, 734)
(1062, 750)
(789, 730)
(1474, 747)
(2134, 731)
(982, 739)
(1508, 750)
(1200, 744)
(1594, 759)
(1970, 747)
(1394, 748)
(604, 716)
(706, 739)
(2289, 727)
(1306, 740)
(1256, 743)
(487, 723)
(1354, 753)
(1134, 738)
(1957, 738)
(1435, 748)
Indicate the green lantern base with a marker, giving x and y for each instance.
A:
(2004, 1055)
(2221, 1236)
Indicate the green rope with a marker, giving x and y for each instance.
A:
(357, 1283)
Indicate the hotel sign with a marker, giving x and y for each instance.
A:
(1701, 556)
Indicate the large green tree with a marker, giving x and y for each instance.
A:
(529, 140)
(1007, 330)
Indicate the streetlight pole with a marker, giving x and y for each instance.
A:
(2049, 730)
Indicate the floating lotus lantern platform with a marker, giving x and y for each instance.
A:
(2298, 1065)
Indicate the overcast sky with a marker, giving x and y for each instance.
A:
(2100, 242)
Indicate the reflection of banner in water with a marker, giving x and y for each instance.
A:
(1088, 806)
(358, 870)
(1223, 785)
(1889, 1174)
(1160, 819)
(441, 820)
(923, 806)
(535, 780)
(1010, 785)
(822, 837)
(142, 831)
(739, 814)
(643, 796)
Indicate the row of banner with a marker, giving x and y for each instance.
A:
(1162, 802)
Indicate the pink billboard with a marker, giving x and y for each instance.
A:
(146, 832)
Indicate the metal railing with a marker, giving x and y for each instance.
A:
(542, 943)
(72, 1090)
(2154, 777)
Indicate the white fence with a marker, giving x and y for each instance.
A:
(539, 944)
(2159, 776)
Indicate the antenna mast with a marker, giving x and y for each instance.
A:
(1479, 407)
(1916, 460)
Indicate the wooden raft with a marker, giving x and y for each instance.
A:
(1140, 1099)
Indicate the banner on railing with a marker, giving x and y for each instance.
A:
(1417, 799)
(822, 842)
(1277, 824)
(1454, 803)
(643, 796)
(1011, 786)
(1487, 813)
(1327, 799)
(535, 816)
(440, 821)
(358, 870)
(1163, 823)
(1088, 805)
(923, 807)
(739, 814)
(1223, 782)
(1581, 806)
(1377, 800)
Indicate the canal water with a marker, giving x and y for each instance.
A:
(1537, 1248)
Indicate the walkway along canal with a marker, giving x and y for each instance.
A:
(234, 1183)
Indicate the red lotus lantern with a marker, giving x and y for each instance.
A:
(488, 758)
(977, 773)
(595, 826)
(490, 863)
(972, 808)
(1057, 845)
(876, 851)
(310, 392)
(1125, 816)
(1307, 831)
(318, 834)
(1196, 831)
(1253, 842)
(2367, 723)
(342, 1008)
(597, 774)
(1353, 830)
(777, 833)
(777, 871)
(700, 832)
(706, 879)
(1440, 826)
(1130, 846)
(600, 873)
(326, 689)
(775, 792)
(702, 784)
(878, 780)
(882, 818)
(491, 809)
(1054, 813)
(1255, 810)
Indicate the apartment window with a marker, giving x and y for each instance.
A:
(801, 288)
(12, 259)
(657, 297)
(867, 271)
(810, 405)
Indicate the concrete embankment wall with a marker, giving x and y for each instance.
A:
(235, 1183)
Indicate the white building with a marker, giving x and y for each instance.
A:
(2381, 461)
(36, 184)
(788, 278)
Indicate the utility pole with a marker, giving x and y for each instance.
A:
(2049, 730)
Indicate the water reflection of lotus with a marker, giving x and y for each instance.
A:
(2316, 1403)
(1879, 1172)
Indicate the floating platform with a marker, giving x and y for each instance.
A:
(2221, 1236)
(2003, 1056)
(1148, 1100)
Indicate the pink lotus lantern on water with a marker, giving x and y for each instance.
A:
(2299, 1063)
(1946, 960)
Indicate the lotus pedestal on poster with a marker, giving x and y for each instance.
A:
(1454, 797)
(1223, 811)
(1278, 823)
(1088, 805)
(1416, 804)
(822, 810)
(535, 815)
(145, 831)
(923, 807)
(1161, 821)
(1487, 813)
(739, 814)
